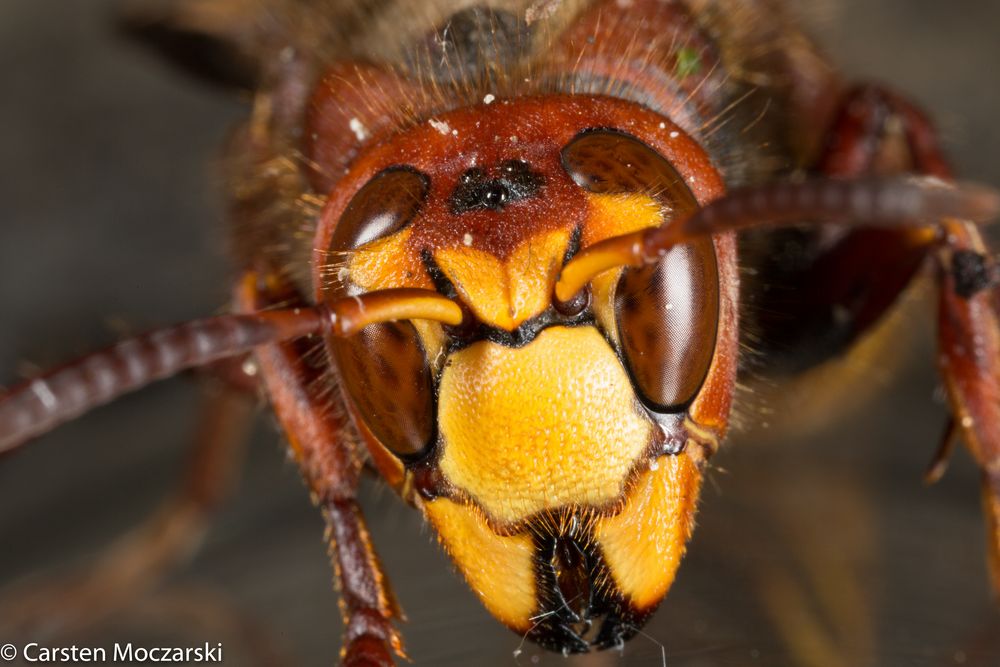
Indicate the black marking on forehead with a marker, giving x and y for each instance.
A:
(441, 282)
(574, 244)
(477, 191)
(474, 331)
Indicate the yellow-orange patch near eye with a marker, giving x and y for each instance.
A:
(550, 424)
(500, 570)
(388, 263)
(505, 293)
(643, 544)
(612, 215)
(620, 213)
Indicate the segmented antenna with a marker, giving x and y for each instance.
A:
(39, 405)
(895, 202)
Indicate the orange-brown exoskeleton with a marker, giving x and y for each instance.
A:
(491, 248)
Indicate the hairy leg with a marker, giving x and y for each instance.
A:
(846, 281)
(303, 390)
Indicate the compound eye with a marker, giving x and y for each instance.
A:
(667, 313)
(384, 368)
(667, 316)
(385, 371)
(385, 205)
(611, 162)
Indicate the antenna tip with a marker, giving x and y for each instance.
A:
(982, 202)
(965, 201)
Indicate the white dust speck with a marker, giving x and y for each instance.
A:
(454, 133)
(675, 134)
(513, 139)
(489, 98)
(467, 239)
(663, 126)
(44, 394)
(359, 129)
(440, 126)
(249, 367)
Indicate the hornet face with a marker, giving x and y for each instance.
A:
(556, 447)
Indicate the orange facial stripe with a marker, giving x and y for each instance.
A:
(506, 293)
(643, 545)
(616, 214)
(387, 263)
(549, 424)
(502, 293)
(500, 570)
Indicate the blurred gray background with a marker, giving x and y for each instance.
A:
(811, 550)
